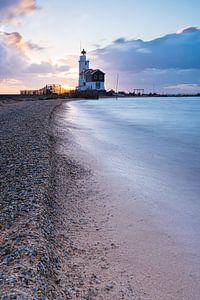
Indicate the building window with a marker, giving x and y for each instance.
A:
(101, 77)
(98, 85)
(95, 76)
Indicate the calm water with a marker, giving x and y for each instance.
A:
(152, 146)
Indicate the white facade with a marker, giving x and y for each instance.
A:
(83, 66)
(83, 83)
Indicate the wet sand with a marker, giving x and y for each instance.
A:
(124, 252)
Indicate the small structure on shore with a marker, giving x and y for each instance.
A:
(89, 79)
(49, 89)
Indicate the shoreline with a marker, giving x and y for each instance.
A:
(126, 250)
(65, 231)
(48, 198)
(44, 207)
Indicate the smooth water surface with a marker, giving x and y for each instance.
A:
(152, 145)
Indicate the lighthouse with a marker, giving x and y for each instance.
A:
(89, 79)
(83, 66)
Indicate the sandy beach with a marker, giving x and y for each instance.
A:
(66, 232)
(126, 249)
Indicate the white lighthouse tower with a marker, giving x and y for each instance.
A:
(83, 66)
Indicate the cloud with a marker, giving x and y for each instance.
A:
(169, 54)
(173, 51)
(188, 29)
(32, 46)
(120, 41)
(10, 9)
(41, 68)
(12, 38)
(15, 63)
(16, 39)
(46, 68)
(12, 59)
(63, 68)
(185, 87)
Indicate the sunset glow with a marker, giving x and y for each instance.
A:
(68, 88)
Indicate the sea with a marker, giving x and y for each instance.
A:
(152, 145)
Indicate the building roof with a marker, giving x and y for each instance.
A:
(91, 71)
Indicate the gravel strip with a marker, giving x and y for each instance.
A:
(30, 264)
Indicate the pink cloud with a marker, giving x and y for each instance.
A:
(10, 9)
(16, 39)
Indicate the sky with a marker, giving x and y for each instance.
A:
(153, 45)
